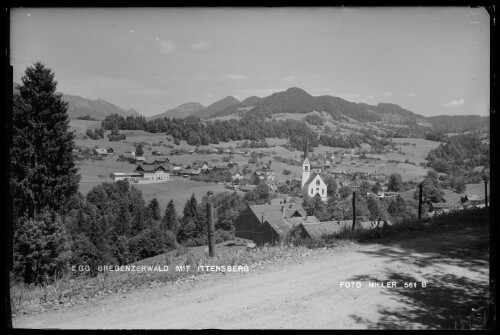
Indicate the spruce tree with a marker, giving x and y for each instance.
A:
(188, 227)
(170, 221)
(154, 208)
(43, 171)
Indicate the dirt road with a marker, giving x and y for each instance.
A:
(309, 294)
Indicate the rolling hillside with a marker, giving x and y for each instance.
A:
(216, 107)
(181, 111)
(97, 109)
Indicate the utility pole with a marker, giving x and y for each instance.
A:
(353, 210)
(485, 193)
(420, 203)
(210, 221)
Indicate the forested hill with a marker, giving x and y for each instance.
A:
(459, 123)
(296, 100)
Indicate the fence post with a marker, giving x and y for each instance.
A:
(420, 203)
(353, 210)
(485, 193)
(210, 221)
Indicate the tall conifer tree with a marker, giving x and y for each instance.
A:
(43, 172)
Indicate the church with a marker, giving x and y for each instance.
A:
(312, 183)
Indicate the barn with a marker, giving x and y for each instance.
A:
(269, 223)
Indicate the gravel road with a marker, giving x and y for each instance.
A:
(308, 293)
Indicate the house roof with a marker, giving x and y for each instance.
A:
(151, 168)
(274, 214)
(299, 220)
(126, 174)
(191, 171)
(451, 197)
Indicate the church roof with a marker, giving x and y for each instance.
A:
(311, 178)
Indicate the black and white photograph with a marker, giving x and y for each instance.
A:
(250, 168)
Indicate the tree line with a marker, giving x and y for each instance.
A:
(251, 127)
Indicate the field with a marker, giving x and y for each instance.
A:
(418, 148)
(81, 126)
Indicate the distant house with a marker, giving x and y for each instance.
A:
(152, 172)
(265, 175)
(125, 176)
(439, 207)
(177, 170)
(129, 154)
(388, 194)
(100, 152)
(201, 165)
(473, 201)
(140, 159)
(247, 188)
(237, 175)
(191, 172)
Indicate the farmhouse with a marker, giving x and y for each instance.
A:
(177, 170)
(129, 154)
(265, 175)
(100, 152)
(191, 172)
(151, 172)
(125, 176)
(439, 208)
(269, 223)
(201, 165)
(237, 175)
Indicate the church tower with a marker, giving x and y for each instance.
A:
(306, 167)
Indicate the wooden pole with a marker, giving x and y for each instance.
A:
(485, 193)
(353, 210)
(210, 221)
(420, 203)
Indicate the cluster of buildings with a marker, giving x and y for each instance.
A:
(272, 223)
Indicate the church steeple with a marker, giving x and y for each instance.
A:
(306, 167)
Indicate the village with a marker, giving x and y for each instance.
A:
(271, 223)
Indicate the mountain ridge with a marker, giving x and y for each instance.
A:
(180, 111)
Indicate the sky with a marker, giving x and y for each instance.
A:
(431, 61)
